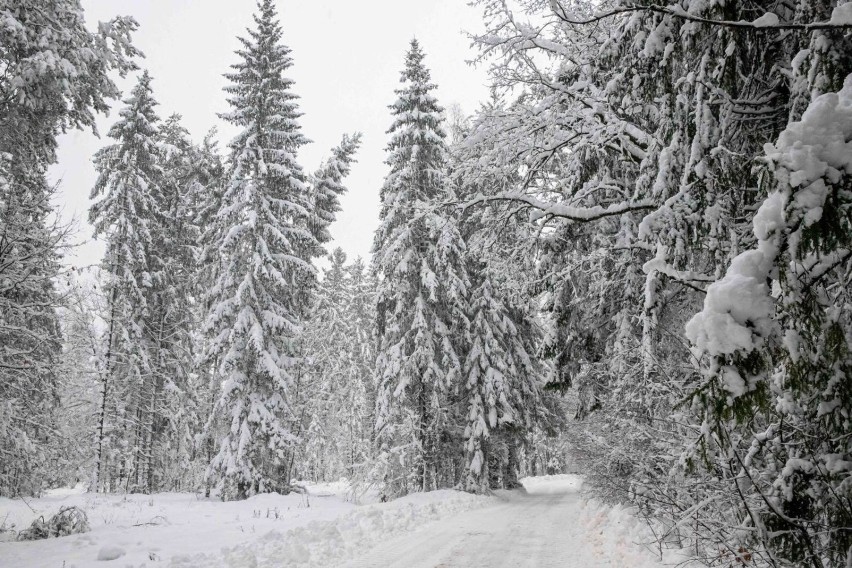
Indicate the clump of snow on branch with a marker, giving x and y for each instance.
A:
(738, 310)
(767, 20)
(842, 15)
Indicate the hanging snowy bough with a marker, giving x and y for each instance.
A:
(810, 157)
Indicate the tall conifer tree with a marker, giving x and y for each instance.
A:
(421, 294)
(171, 404)
(504, 378)
(255, 312)
(125, 213)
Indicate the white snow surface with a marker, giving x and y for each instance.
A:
(842, 15)
(328, 543)
(766, 21)
(548, 524)
(152, 529)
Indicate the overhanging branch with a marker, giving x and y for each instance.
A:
(580, 214)
(678, 12)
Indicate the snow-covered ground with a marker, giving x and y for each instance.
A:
(548, 525)
(150, 529)
(183, 530)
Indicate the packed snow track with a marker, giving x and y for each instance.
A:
(548, 526)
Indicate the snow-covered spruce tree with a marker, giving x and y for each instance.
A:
(208, 177)
(421, 307)
(126, 213)
(208, 180)
(264, 245)
(504, 377)
(171, 401)
(40, 95)
(504, 385)
(212, 182)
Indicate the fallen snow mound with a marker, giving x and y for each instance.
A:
(326, 543)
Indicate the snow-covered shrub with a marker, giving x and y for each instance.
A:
(69, 520)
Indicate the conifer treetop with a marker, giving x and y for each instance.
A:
(130, 163)
(415, 71)
(416, 149)
(417, 114)
(263, 102)
(174, 134)
(138, 116)
(328, 186)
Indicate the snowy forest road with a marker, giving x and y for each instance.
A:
(538, 529)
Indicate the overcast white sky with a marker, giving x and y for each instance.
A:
(347, 58)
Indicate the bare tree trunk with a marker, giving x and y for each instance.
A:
(288, 471)
(107, 371)
(422, 436)
(510, 477)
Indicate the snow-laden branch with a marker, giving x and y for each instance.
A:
(546, 209)
(841, 19)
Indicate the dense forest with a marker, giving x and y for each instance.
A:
(634, 260)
